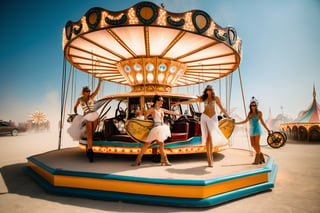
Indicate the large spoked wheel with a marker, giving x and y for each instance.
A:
(285, 137)
(14, 132)
(276, 139)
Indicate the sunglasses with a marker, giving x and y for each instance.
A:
(253, 105)
(87, 91)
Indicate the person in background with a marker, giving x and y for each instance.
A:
(138, 114)
(255, 118)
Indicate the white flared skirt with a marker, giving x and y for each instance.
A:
(210, 126)
(77, 130)
(160, 133)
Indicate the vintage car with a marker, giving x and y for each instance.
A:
(111, 135)
(8, 128)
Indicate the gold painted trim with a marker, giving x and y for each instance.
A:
(172, 43)
(213, 57)
(121, 42)
(92, 54)
(211, 44)
(106, 49)
(147, 40)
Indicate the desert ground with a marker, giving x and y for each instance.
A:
(297, 187)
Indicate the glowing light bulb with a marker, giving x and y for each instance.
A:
(139, 77)
(160, 77)
(150, 77)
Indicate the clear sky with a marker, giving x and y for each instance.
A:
(279, 66)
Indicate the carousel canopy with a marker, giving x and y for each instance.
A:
(147, 45)
(312, 114)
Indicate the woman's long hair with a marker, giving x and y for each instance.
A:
(204, 96)
(253, 101)
(155, 99)
(85, 89)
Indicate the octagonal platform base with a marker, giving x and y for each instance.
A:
(188, 182)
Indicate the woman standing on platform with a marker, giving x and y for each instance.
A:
(255, 118)
(159, 132)
(211, 134)
(89, 115)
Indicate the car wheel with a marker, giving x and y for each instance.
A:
(14, 132)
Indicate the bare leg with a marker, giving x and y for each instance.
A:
(254, 142)
(143, 149)
(258, 148)
(164, 159)
(89, 126)
(89, 134)
(257, 143)
(209, 151)
(95, 124)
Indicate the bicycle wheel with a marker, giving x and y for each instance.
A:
(276, 140)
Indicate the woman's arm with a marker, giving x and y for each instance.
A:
(220, 106)
(75, 108)
(149, 112)
(189, 102)
(171, 112)
(97, 90)
(262, 122)
(242, 122)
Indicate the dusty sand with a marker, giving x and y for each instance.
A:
(297, 187)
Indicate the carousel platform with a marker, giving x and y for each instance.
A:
(188, 182)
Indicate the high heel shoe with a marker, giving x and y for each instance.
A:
(90, 155)
(166, 163)
(261, 158)
(136, 163)
(164, 160)
(256, 159)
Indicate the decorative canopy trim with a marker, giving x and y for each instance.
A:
(102, 39)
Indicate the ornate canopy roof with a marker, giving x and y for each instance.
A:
(147, 45)
(312, 114)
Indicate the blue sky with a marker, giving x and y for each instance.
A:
(279, 66)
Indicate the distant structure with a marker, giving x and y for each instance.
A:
(275, 122)
(39, 121)
(306, 127)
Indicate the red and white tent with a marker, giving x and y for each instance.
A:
(307, 125)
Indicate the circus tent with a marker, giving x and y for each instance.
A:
(307, 125)
(312, 114)
(274, 123)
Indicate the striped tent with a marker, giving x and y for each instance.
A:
(312, 114)
(306, 126)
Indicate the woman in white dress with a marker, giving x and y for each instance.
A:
(160, 131)
(89, 116)
(211, 134)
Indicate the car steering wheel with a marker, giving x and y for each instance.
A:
(120, 114)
